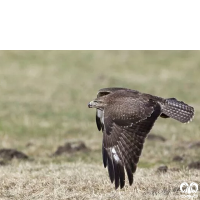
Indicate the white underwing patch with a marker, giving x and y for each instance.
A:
(102, 118)
(100, 114)
(115, 156)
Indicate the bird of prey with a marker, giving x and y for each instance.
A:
(125, 117)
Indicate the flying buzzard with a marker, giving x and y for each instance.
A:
(125, 117)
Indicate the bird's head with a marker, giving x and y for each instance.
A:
(97, 103)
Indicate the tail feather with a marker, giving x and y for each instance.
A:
(177, 110)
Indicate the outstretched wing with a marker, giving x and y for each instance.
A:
(125, 128)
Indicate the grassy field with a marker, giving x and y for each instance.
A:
(43, 105)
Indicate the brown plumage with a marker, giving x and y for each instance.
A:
(126, 117)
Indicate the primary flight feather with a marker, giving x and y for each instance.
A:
(125, 117)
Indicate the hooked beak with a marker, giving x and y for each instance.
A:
(91, 104)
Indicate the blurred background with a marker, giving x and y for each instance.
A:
(44, 97)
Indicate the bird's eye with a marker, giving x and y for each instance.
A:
(97, 101)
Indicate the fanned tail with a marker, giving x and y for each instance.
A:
(177, 110)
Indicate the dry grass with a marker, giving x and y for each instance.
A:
(87, 181)
(44, 96)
